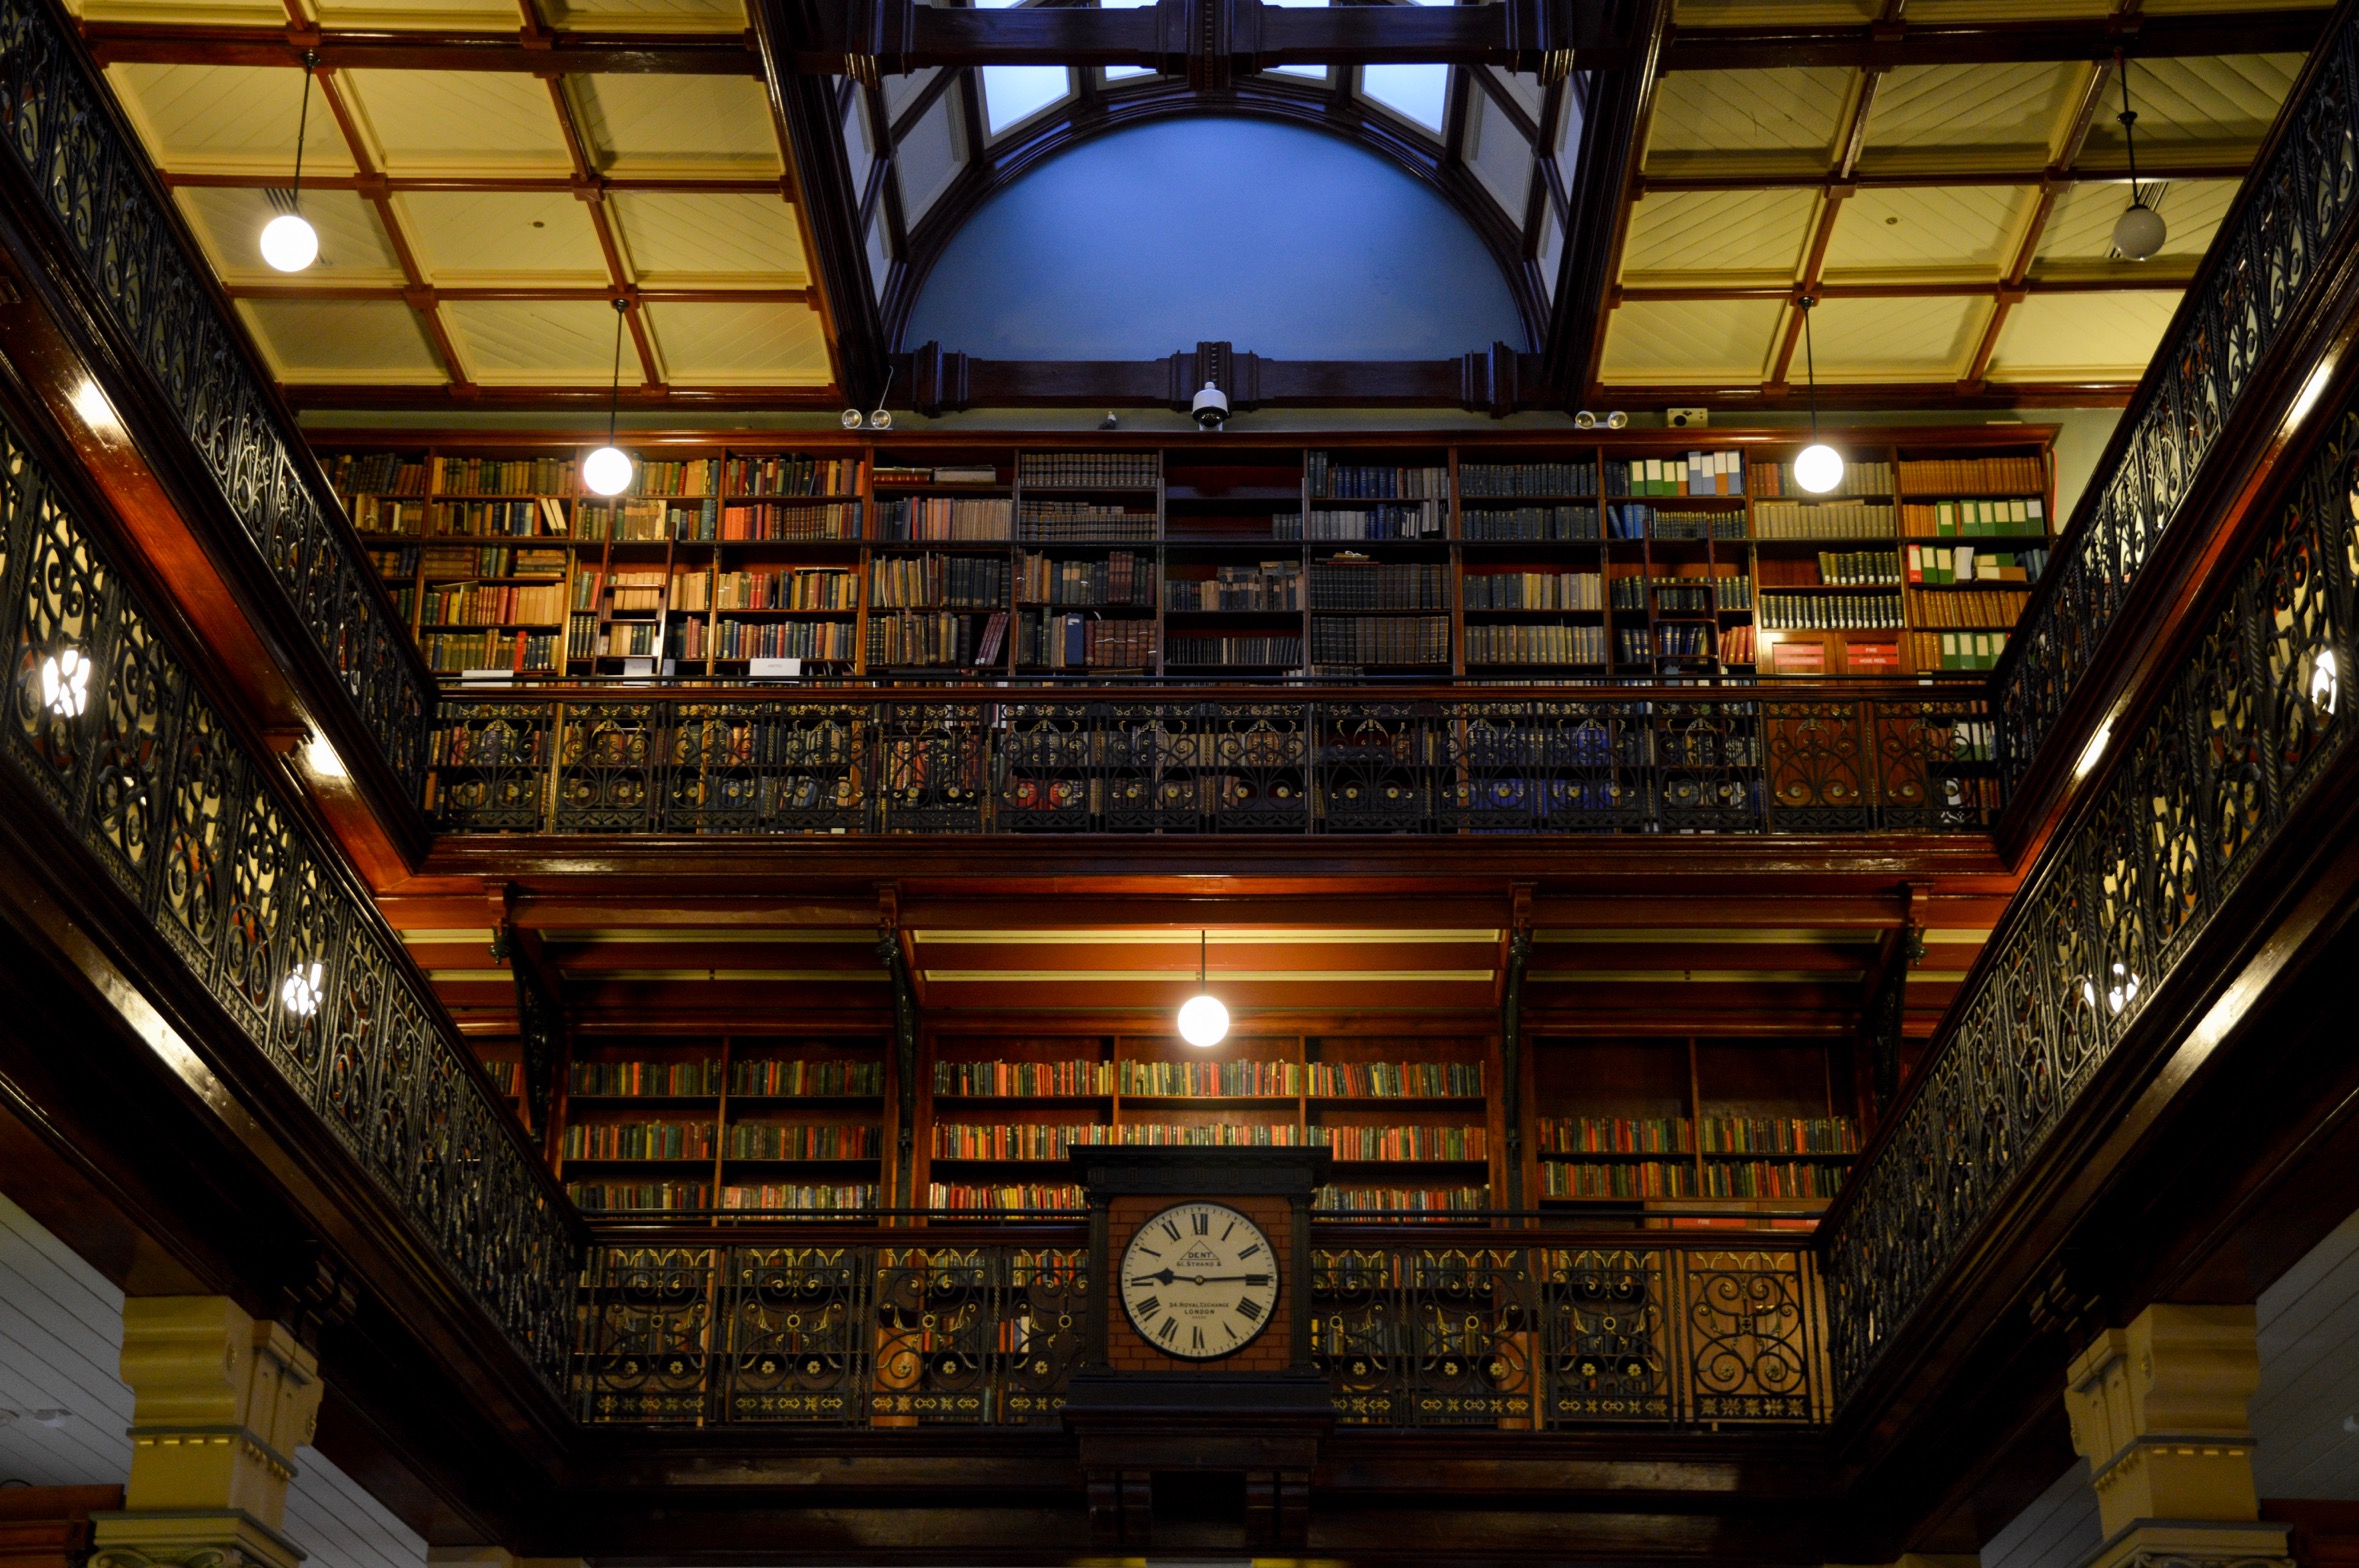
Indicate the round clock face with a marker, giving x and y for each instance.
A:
(1199, 1281)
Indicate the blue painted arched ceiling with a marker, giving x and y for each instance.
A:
(1285, 240)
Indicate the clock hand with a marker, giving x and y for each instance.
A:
(1215, 1279)
(1161, 1277)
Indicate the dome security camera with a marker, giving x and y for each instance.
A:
(1211, 407)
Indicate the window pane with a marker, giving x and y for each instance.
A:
(1011, 92)
(1417, 91)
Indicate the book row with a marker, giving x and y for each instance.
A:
(1535, 645)
(789, 1141)
(1613, 1135)
(1822, 520)
(681, 1140)
(1771, 1179)
(1071, 640)
(928, 518)
(1055, 520)
(1974, 519)
(1264, 1079)
(1830, 612)
(1330, 480)
(1635, 1179)
(1943, 564)
(1090, 470)
(480, 604)
(1777, 1135)
(1566, 524)
(1513, 480)
(1535, 591)
(1351, 582)
(964, 582)
(1777, 479)
(1974, 475)
(1272, 585)
(1861, 568)
(1967, 611)
(1122, 578)
(803, 588)
(1427, 520)
(1224, 652)
(1697, 473)
(519, 652)
(1423, 639)
(1957, 650)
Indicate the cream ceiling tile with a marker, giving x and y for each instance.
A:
(228, 223)
(1897, 339)
(225, 119)
(214, 13)
(1763, 13)
(462, 14)
(2073, 337)
(481, 237)
(1703, 340)
(2170, 7)
(509, 342)
(2211, 100)
(1956, 11)
(1790, 116)
(677, 124)
(458, 122)
(2080, 228)
(2017, 109)
(682, 239)
(739, 345)
(1759, 233)
(677, 16)
(343, 340)
(1956, 229)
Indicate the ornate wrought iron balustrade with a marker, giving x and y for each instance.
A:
(91, 182)
(2249, 724)
(2295, 206)
(1617, 759)
(1527, 1337)
(106, 724)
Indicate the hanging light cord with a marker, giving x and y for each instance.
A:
(2129, 126)
(303, 126)
(1810, 366)
(614, 392)
(1203, 939)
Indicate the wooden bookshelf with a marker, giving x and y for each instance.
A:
(741, 1122)
(1616, 557)
(1635, 1125)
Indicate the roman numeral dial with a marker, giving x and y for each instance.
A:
(1199, 1281)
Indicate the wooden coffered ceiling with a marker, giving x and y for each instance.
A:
(487, 176)
(1634, 963)
(1942, 175)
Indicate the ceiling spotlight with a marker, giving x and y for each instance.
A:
(1819, 467)
(1616, 420)
(289, 242)
(1584, 420)
(2139, 232)
(607, 471)
(1203, 1021)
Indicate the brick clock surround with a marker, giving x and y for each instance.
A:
(1254, 1418)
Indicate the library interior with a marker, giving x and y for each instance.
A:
(1036, 783)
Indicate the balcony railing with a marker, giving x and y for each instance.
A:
(2253, 280)
(2246, 729)
(94, 184)
(107, 724)
(978, 760)
(1531, 1335)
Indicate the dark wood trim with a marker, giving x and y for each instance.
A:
(1618, 108)
(352, 49)
(1886, 46)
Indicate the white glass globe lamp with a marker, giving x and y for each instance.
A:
(1203, 1021)
(1819, 468)
(607, 471)
(289, 242)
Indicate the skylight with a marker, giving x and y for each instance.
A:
(1012, 93)
(1416, 92)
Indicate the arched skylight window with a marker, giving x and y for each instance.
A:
(1420, 93)
(1013, 94)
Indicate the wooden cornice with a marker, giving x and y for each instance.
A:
(339, 49)
(1888, 45)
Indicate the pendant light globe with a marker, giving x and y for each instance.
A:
(2139, 232)
(607, 471)
(290, 243)
(1818, 468)
(1203, 1021)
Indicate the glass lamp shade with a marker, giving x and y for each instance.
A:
(2139, 233)
(289, 243)
(1203, 1021)
(1819, 468)
(607, 471)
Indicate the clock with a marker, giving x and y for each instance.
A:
(1199, 1281)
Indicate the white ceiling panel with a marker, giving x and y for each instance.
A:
(343, 340)
(648, 125)
(485, 237)
(228, 221)
(538, 342)
(1895, 339)
(1701, 340)
(1754, 235)
(226, 119)
(1952, 230)
(739, 345)
(457, 122)
(684, 239)
(2070, 337)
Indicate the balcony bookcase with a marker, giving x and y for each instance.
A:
(1651, 556)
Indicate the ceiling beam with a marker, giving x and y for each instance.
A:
(2179, 163)
(1604, 185)
(686, 54)
(590, 399)
(515, 291)
(374, 184)
(2173, 277)
(1886, 46)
